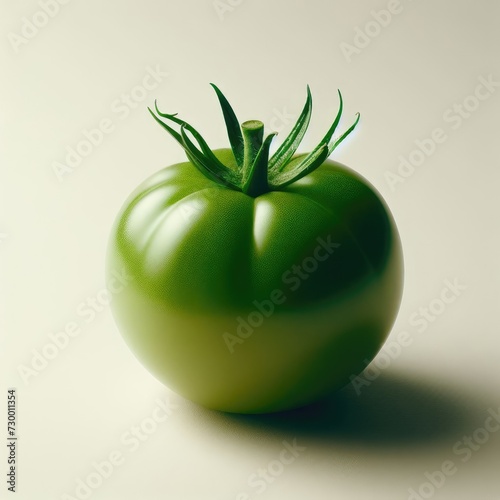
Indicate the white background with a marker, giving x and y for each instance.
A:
(70, 74)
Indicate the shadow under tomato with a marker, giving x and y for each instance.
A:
(392, 411)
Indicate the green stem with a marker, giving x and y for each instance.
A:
(253, 135)
(257, 181)
(254, 173)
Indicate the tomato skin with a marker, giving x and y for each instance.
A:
(316, 268)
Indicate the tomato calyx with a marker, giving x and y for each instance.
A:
(256, 172)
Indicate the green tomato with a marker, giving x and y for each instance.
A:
(256, 287)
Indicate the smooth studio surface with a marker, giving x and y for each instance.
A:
(423, 421)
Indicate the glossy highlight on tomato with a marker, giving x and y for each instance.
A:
(260, 282)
